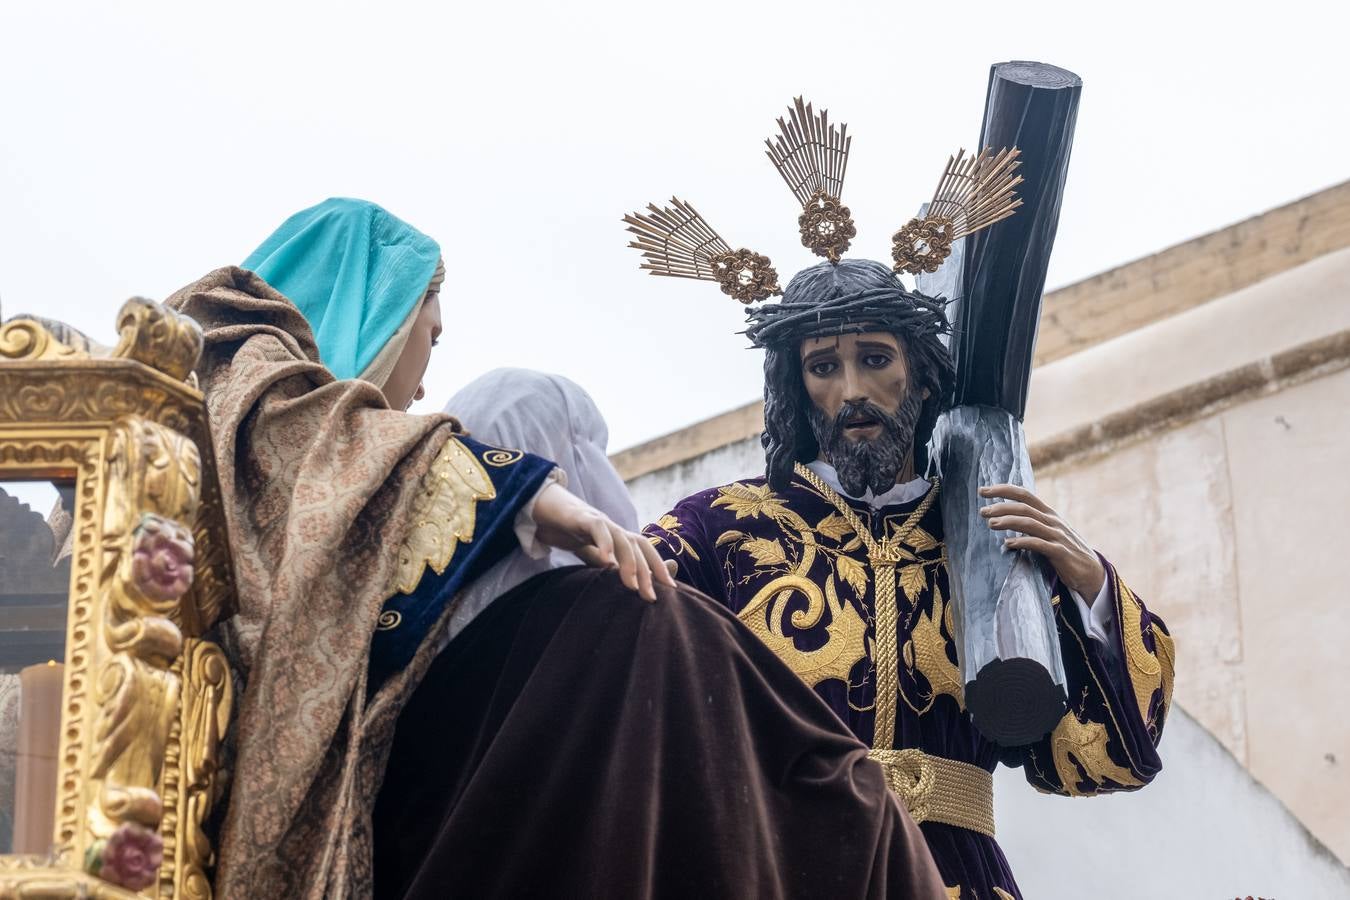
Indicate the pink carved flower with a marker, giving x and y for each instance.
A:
(131, 857)
(161, 558)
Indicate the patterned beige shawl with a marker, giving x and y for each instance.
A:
(318, 478)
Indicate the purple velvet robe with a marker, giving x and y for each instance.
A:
(776, 558)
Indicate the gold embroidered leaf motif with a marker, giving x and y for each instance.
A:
(1085, 743)
(834, 526)
(766, 552)
(1146, 669)
(930, 654)
(1001, 894)
(913, 581)
(729, 537)
(673, 526)
(750, 501)
(442, 513)
(921, 540)
(853, 572)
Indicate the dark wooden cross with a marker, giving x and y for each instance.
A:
(1006, 637)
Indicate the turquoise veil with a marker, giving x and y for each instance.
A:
(355, 271)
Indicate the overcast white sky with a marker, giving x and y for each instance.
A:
(145, 144)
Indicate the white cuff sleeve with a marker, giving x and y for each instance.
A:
(525, 526)
(1100, 618)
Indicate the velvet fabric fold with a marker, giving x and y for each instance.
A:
(577, 742)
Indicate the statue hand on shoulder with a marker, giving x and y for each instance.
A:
(1044, 532)
(565, 521)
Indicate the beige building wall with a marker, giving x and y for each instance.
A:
(1226, 512)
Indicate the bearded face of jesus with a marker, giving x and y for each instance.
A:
(864, 406)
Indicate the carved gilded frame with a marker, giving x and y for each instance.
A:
(147, 697)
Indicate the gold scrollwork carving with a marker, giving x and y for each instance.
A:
(65, 454)
(192, 776)
(745, 275)
(25, 878)
(143, 713)
(154, 483)
(826, 226)
(71, 394)
(29, 339)
(158, 337)
(923, 245)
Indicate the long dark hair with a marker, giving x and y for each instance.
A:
(851, 297)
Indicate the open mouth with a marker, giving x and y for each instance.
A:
(860, 425)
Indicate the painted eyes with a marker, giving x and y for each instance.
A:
(825, 369)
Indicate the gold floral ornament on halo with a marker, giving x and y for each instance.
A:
(812, 156)
(973, 193)
(677, 242)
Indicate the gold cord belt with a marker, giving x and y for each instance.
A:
(935, 789)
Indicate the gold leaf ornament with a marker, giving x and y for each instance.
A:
(834, 526)
(854, 573)
(912, 581)
(750, 501)
(673, 525)
(730, 537)
(766, 551)
(921, 540)
(1076, 744)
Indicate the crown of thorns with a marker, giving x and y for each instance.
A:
(881, 308)
(811, 154)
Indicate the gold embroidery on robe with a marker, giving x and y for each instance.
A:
(845, 645)
(1149, 671)
(443, 513)
(842, 651)
(954, 893)
(926, 651)
(1002, 894)
(751, 501)
(1085, 742)
(673, 525)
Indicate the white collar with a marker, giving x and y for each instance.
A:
(901, 493)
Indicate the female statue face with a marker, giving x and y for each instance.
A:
(405, 381)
